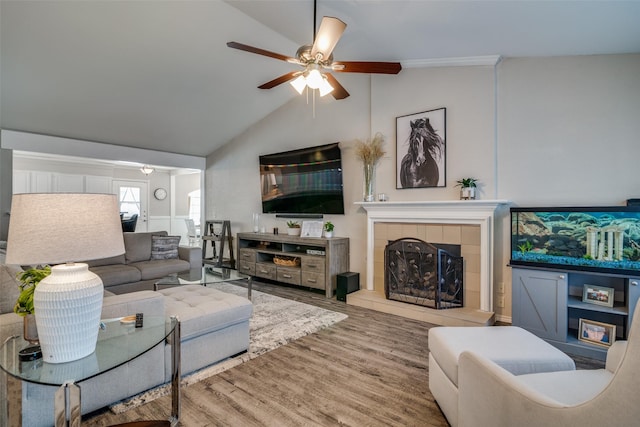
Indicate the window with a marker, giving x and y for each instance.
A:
(130, 200)
(194, 206)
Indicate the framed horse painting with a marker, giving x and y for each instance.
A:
(421, 149)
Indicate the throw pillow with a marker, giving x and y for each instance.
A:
(164, 247)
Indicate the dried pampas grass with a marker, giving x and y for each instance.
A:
(371, 151)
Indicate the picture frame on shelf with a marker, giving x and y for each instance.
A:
(311, 229)
(421, 149)
(598, 295)
(602, 334)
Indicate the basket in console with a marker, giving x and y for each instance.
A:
(286, 261)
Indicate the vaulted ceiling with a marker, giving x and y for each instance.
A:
(158, 74)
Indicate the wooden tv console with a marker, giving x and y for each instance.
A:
(301, 261)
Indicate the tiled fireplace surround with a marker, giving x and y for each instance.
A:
(469, 224)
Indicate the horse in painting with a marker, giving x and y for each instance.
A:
(419, 167)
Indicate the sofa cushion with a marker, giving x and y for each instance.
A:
(118, 259)
(117, 274)
(164, 247)
(155, 269)
(203, 310)
(569, 387)
(138, 245)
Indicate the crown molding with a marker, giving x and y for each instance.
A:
(467, 61)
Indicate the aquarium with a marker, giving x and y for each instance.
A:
(600, 239)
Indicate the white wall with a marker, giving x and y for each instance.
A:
(232, 176)
(536, 131)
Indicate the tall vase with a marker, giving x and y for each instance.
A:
(369, 189)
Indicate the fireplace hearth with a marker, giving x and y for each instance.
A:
(424, 273)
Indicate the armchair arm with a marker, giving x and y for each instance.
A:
(615, 354)
(192, 254)
(489, 395)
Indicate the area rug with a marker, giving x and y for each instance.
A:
(275, 322)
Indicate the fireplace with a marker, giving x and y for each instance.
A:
(466, 214)
(425, 274)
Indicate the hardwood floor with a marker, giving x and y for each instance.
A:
(368, 370)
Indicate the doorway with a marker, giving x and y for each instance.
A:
(133, 200)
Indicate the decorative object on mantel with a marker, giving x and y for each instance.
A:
(420, 149)
(467, 188)
(370, 153)
(328, 229)
(58, 228)
(293, 228)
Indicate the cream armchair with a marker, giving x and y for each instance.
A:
(491, 396)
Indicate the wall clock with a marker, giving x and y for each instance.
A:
(160, 193)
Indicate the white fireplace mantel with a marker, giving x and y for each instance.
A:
(471, 212)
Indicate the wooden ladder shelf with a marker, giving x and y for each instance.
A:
(214, 234)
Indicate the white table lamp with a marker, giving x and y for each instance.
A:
(62, 228)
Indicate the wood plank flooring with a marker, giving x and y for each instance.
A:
(368, 370)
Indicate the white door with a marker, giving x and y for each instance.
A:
(133, 197)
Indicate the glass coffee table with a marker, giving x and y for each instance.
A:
(204, 276)
(118, 343)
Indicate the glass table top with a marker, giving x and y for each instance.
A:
(118, 343)
(202, 276)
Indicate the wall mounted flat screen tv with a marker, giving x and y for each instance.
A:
(599, 239)
(305, 181)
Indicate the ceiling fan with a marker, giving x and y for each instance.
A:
(317, 61)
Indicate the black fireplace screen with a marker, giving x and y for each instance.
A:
(422, 273)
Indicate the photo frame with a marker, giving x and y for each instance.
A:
(311, 229)
(421, 149)
(598, 295)
(602, 334)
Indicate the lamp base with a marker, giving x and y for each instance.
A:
(67, 305)
(30, 353)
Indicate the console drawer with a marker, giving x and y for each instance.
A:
(312, 263)
(248, 255)
(247, 267)
(313, 279)
(266, 271)
(289, 275)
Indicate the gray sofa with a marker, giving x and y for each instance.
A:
(137, 269)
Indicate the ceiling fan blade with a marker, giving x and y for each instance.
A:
(338, 92)
(279, 80)
(247, 48)
(329, 33)
(366, 67)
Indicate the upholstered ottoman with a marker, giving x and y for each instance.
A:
(513, 348)
(214, 325)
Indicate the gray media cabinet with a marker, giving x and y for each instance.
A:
(549, 303)
(313, 262)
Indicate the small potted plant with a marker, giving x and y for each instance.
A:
(328, 229)
(467, 188)
(29, 279)
(293, 228)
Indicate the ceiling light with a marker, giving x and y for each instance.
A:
(299, 84)
(147, 170)
(314, 79)
(325, 87)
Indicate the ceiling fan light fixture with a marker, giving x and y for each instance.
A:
(325, 88)
(299, 84)
(314, 79)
